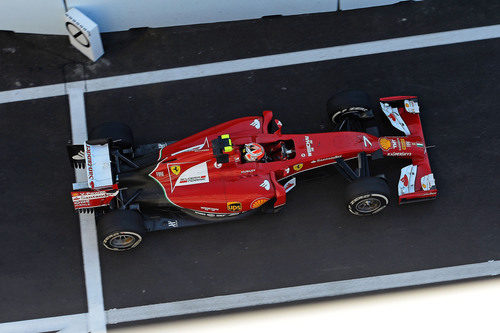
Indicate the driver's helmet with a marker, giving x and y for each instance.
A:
(254, 152)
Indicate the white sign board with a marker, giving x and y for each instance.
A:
(84, 34)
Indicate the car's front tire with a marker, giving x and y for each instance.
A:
(348, 108)
(367, 196)
(120, 230)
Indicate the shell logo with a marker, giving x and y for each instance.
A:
(404, 180)
(385, 144)
(258, 202)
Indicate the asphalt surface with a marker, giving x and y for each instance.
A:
(41, 260)
(314, 239)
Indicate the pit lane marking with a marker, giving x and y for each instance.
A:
(96, 318)
(256, 63)
(266, 297)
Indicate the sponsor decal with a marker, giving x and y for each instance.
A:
(411, 106)
(309, 147)
(366, 142)
(427, 182)
(160, 174)
(214, 214)
(403, 144)
(258, 202)
(404, 180)
(287, 171)
(173, 224)
(265, 184)
(256, 124)
(79, 157)
(394, 143)
(290, 184)
(197, 179)
(297, 167)
(399, 154)
(90, 170)
(234, 206)
(384, 143)
(421, 145)
(176, 169)
(211, 209)
(247, 171)
(326, 159)
(197, 174)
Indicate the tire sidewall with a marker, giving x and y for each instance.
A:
(120, 222)
(351, 206)
(107, 240)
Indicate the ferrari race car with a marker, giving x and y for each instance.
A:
(241, 167)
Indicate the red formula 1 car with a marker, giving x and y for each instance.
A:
(243, 166)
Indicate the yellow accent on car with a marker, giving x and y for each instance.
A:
(228, 148)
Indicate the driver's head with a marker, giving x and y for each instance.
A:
(254, 152)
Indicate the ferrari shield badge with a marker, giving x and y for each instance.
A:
(176, 169)
(297, 167)
(234, 206)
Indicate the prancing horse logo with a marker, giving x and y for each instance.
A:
(176, 169)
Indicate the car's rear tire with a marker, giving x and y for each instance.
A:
(119, 133)
(350, 106)
(120, 230)
(367, 196)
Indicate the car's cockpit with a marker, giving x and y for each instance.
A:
(281, 150)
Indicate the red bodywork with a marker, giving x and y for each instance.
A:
(192, 179)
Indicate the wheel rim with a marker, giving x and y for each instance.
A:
(368, 205)
(123, 240)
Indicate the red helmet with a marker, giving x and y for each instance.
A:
(254, 152)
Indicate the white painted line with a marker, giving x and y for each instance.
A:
(69, 323)
(278, 60)
(299, 293)
(77, 115)
(264, 297)
(17, 95)
(92, 269)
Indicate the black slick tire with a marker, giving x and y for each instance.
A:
(119, 133)
(120, 230)
(349, 103)
(367, 196)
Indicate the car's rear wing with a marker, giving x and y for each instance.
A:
(98, 189)
(416, 182)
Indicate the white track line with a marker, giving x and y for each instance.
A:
(264, 297)
(299, 293)
(248, 64)
(91, 266)
(70, 323)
